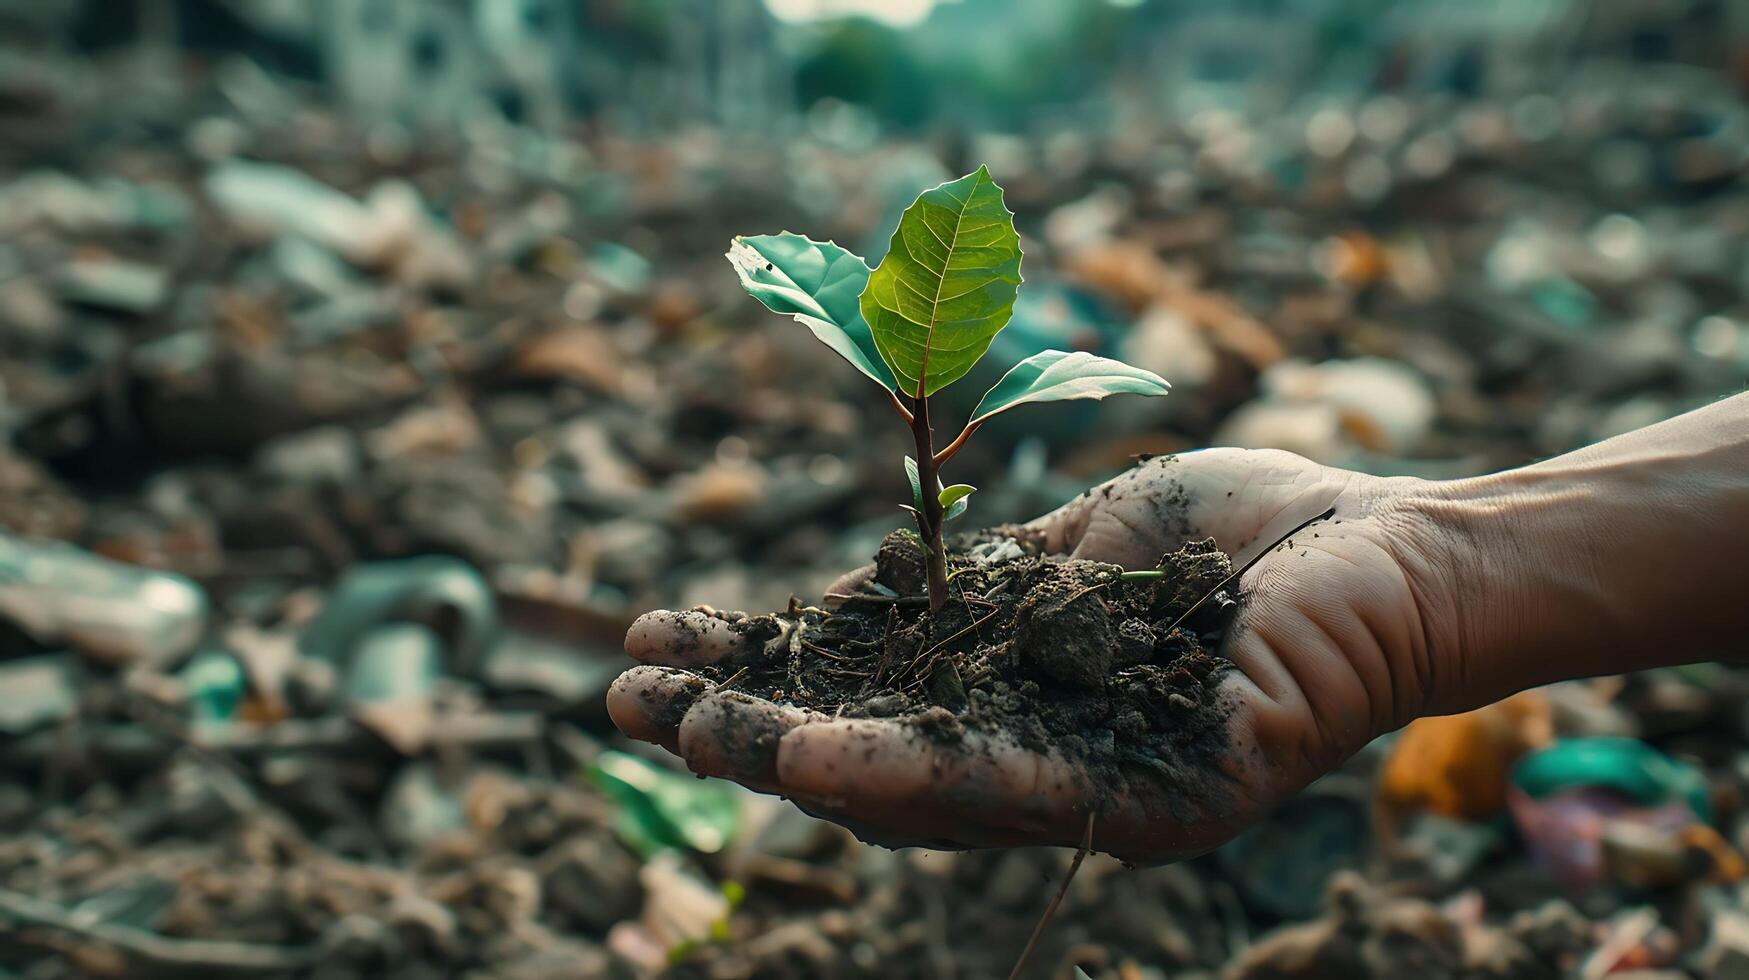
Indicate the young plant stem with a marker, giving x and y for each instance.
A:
(929, 515)
(899, 406)
(958, 442)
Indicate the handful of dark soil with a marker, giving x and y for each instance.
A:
(1066, 654)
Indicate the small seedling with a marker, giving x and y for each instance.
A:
(920, 320)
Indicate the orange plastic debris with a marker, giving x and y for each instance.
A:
(1357, 259)
(1458, 765)
(1728, 866)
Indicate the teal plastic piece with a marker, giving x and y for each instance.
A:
(394, 662)
(1625, 765)
(428, 589)
(215, 684)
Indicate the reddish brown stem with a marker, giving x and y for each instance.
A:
(899, 406)
(958, 442)
(929, 515)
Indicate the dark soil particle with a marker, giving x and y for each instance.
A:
(1119, 675)
(900, 564)
(1064, 629)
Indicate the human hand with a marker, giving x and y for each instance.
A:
(1341, 637)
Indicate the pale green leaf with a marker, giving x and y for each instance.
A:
(947, 284)
(954, 494)
(954, 500)
(1055, 375)
(954, 510)
(819, 284)
(916, 483)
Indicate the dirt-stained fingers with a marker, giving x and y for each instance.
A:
(736, 736)
(681, 639)
(894, 784)
(889, 781)
(981, 781)
(649, 702)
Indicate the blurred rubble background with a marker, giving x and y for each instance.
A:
(367, 365)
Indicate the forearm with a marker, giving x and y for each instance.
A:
(1629, 554)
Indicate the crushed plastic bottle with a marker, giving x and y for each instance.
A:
(116, 612)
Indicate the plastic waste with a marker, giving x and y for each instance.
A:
(1626, 766)
(1459, 765)
(216, 684)
(444, 593)
(1598, 809)
(389, 683)
(39, 691)
(116, 612)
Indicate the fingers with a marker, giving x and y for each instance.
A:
(1059, 531)
(892, 783)
(648, 703)
(736, 736)
(856, 762)
(976, 785)
(717, 733)
(914, 826)
(741, 737)
(680, 639)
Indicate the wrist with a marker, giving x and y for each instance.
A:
(1509, 574)
(1574, 568)
(1617, 557)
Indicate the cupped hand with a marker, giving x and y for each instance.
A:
(1342, 635)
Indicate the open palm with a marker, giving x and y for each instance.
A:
(1333, 646)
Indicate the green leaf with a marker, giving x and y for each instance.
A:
(916, 483)
(959, 491)
(947, 284)
(953, 512)
(1055, 375)
(684, 950)
(818, 283)
(951, 507)
(662, 809)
